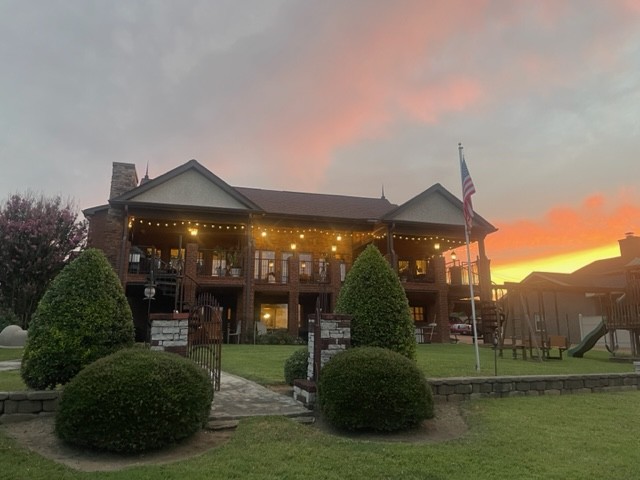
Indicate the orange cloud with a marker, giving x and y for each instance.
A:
(597, 223)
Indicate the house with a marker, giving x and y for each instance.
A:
(573, 304)
(269, 257)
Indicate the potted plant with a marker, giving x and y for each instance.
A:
(234, 263)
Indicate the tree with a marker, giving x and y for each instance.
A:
(373, 295)
(37, 237)
(83, 316)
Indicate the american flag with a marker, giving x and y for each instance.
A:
(468, 189)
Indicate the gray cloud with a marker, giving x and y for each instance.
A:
(325, 96)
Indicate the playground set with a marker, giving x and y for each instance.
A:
(523, 328)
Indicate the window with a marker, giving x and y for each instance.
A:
(274, 315)
(265, 264)
(417, 313)
(285, 266)
(306, 266)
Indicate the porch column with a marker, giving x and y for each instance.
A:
(190, 272)
(293, 322)
(442, 301)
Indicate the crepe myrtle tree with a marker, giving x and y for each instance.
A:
(37, 238)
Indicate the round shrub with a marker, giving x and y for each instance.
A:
(84, 315)
(296, 365)
(134, 400)
(373, 295)
(371, 388)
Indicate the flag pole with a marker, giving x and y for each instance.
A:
(469, 269)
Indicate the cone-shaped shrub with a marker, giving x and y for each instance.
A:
(371, 388)
(373, 295)
(134, 400)
(83, 316)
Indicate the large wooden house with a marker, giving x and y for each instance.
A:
(270, 257)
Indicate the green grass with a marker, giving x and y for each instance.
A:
(11, 354)
(261, 363)
(458, 360)
(264, 363)
(11, 381)
(550, 437)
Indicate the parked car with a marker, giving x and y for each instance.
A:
(461, 329)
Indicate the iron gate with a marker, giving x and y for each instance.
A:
(205, 335)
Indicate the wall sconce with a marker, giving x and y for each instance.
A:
(264, 234)
(454, 257)
(301, 236)
(293, 246)
(436, 246)
(193, 231)
(339, 238)
(334, 248)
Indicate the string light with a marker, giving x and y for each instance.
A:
(263, 231)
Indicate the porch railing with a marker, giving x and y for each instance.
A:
(458, 274)
(271, 271)
(314, 271)
(219, 263)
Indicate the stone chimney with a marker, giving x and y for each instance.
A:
(123, 179)
(630, 246)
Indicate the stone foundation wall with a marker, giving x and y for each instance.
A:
(457, 389)
(21, 406)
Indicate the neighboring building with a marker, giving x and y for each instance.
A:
(571, 304)
(270, 256)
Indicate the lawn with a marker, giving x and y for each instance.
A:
(551, 437)
(264, 363)
(10, 354)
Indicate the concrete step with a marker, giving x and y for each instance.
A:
(218, 425)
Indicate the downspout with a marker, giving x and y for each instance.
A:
(125, 226)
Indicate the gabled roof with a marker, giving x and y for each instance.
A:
(190, 184)
(435, 205)
(607, 266)
(317, 205)
(573, 281)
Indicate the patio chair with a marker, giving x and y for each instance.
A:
(235, 334)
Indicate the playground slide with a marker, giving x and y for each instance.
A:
(588, 341)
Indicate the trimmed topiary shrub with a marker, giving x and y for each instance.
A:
(83, 316)
(296, 365)
(134, 400)
(370, 388)
(373, 295)
(279, 337)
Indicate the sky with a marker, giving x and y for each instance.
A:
(342, 97)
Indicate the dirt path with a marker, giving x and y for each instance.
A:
(38, 435)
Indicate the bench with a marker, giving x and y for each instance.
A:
(514, 346)
(556, 341)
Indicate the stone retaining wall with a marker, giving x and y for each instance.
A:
(20, 406)
(463, 388)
